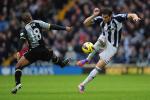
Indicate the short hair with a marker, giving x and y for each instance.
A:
(26, 16)
(107, 11)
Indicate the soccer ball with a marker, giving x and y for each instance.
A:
(87, 47)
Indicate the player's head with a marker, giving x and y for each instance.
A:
(106, 14)
(26, 17)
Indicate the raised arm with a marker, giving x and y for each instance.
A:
(133, 16)
(58, 27)
(88, 21)
(20, 44)
(21, 41)
(53, 26)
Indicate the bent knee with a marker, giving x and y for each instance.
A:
(18, 65)
(101, 64)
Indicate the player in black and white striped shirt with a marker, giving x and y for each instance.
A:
(109, 39)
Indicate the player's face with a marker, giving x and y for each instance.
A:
(106, 18)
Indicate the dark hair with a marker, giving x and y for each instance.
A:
(107, 11)
(26, 17)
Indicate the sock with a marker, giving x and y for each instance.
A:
(91, 76)
(57, 60)
(97, 48)
(18, 75)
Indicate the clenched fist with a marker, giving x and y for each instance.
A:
(68, 29)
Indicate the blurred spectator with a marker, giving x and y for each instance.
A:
(135, 43)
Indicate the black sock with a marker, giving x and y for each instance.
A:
(56, 60)
(18, 74)
(59, 61)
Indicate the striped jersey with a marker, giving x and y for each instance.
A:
(112, 29)
(33, 33)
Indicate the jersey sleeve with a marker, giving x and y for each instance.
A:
(121, 17)
(43, 24)
(97, 20)
(21, 40)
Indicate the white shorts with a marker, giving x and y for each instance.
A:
(108, 52)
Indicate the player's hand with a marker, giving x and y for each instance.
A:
(18, 56)
(136, 19)
(68, 29)
(96, 11)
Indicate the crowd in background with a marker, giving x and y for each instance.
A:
(135, 42)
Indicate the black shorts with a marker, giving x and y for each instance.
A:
(38, 53)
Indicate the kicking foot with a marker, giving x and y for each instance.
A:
(82, 62)
(81, 88)
(16, 88)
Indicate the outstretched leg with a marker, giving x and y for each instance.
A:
(18, 73)
(97, 46)
(92, 75)
(59, 61)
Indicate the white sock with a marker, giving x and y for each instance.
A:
(91, 76)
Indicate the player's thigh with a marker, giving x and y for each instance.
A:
(46, 54)
(22, 62)
(102, 41)
(31, 55)
(108, 53)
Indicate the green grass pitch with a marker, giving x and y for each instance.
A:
(64, 87)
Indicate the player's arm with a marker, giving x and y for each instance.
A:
(89, 21)
(133, 16)
(20, 44)
(58, 27)
(53, 26)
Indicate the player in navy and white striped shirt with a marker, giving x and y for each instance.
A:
(112, 29)
(111, 26)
